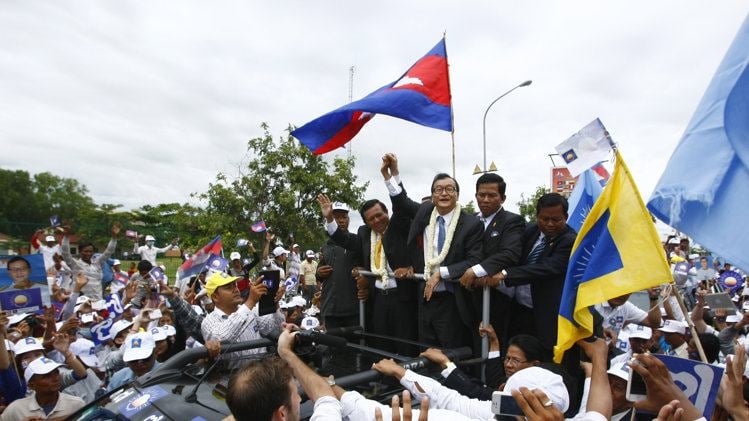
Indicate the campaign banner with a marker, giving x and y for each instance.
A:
(23, 284)
(113, 307)
(698, 381)
(731, 280)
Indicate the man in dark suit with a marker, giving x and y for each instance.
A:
(502, 248)
(546, 252)
(381, 247)
(444, 241)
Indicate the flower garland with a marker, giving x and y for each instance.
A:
(431, 263)
(378, 268)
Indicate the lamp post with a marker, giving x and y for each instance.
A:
(526, 83)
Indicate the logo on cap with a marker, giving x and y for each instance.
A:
(30, 340)
(135, 343)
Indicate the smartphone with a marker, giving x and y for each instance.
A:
(636, 390)
(154, 314)
(271, 279)
(87, 318)
(505, 404)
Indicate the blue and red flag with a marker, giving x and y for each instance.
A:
(258, 226)
(194, 265)
(421, 95)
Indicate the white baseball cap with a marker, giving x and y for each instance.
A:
(310, 322)
(620, 370)
(295, 245)
(86, 351)
(297, 301)
(118, 327)
(116, 262)
(338, 206)
(733, 318)
(279, 251)
(672, 326)
(16, 318)
(540, 378)
(310, 253)
(150, 238)
(158, 334)
(27, 344)
(50, 238)
(639, 331)
(169, 330)
(41, 365)
(235, 256)
(138, 346)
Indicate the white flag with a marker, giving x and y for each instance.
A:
(585, 148)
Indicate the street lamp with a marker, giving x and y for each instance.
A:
(494, 168)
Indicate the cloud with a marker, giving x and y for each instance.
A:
(146, 103)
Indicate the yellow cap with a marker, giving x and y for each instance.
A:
(216, 280)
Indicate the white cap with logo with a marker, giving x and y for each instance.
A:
(138, 346)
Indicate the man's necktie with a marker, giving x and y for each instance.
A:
(440, 234)
(535, 254)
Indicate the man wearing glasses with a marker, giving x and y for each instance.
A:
(444, 242)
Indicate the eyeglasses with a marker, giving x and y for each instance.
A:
(513, 361)
(440, 190)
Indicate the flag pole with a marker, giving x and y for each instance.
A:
(684, 311)
(452, 116)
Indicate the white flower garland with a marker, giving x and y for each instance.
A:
(431, 263)
(382, 272)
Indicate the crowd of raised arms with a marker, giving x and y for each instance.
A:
(415, 271)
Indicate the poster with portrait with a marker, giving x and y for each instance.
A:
(23, 284)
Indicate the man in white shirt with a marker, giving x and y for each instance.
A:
(674, 332)
(149, 251)
(235, 321)
(47, 402)
(617, 312)
(48, 250)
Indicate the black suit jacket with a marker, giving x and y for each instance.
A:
(393, 244)
(465, 249)
(546, 278)
(502, 242)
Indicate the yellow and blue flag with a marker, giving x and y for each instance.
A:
(616, 252)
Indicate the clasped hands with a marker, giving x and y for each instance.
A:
(469, 280)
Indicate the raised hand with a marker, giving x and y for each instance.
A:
(326, 207)
(116, 228)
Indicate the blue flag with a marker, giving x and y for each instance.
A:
(703, 190)
(583, 196)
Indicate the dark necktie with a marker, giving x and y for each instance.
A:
(535, 254)
(440, 234)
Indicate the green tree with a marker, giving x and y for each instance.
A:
(27, 202)
(527, 205)
(280, 186)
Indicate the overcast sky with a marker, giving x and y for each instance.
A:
(144, 102)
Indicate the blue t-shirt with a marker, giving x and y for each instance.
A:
(12, 386)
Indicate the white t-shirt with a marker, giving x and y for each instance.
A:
(614, 318)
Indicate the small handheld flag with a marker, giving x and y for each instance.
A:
(54, 221)
(421, 95)
(584, 195)
(157, 274)
(258, 226)
(585, 148)
(217, 263)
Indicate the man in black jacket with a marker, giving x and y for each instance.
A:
(381, 248)
(546, 252)
(443, 241)
(502, 248)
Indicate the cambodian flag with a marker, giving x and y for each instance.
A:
(195, 264)
(421, 95)
(258, 226)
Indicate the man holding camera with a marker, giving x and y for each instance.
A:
(233, 320)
